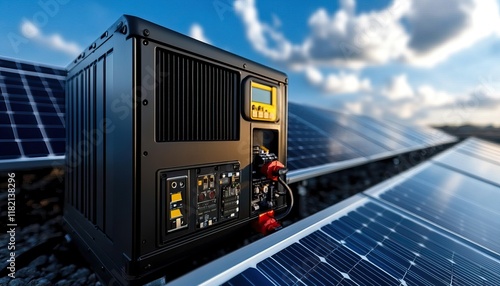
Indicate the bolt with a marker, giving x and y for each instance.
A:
(145, 32)
(145, 102)
(145, 42)
(145, 153)
(244, 66)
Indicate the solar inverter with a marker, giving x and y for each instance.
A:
(171, 144)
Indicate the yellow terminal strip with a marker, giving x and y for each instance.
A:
(175, 197)
(175, 213)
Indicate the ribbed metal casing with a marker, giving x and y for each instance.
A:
(196, 100)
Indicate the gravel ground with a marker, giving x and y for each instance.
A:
(39, 203)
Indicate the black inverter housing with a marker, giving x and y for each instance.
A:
(166, 138)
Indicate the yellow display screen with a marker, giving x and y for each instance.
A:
(261, 95)
(263, 102)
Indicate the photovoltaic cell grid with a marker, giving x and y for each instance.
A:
(31, 114)
(323, 138)
(433, 225)
(459, 192)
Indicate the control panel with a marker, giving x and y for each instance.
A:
(198, 198)
(266, 194)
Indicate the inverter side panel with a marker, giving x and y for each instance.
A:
(100, 153)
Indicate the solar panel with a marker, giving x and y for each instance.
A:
(432, 225)
(322, 141)
(32, 111)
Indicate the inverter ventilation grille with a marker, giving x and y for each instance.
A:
(196, 100)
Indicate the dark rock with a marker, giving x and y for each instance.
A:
(64, 282)
(32, 228)
(92, 278)
(67, 270)
(5, 280)
(39, 282)
(18, 282)
(82, 273)
(50, 276)
(27, 272)
(39, 261)
(52, 267)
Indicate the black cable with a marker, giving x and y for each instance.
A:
(284, 184)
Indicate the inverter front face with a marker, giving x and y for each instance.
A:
(167, 138)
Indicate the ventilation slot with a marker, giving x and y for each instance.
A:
(196, 100)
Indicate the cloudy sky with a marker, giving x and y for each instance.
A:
(422, 61)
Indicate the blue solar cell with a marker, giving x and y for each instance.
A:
(34, 81)
(249, 277)
(28, 67)
(29, 133)
(55, 84)
(46, 108)
(13, 89)
(25, 119)
(34, 148)
(40, 95)
(275, 272)
(8, 64)
(9, 150)
(11, 76)
(6, 132)
(58, 146)
(322, 274)
(17, 106)
(48, 70)
(55, 132)
(51, 120)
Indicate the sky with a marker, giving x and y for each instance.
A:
(417, 61)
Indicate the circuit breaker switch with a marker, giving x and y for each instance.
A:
(175, 213)
(176, 197)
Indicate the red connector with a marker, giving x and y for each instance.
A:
(267, 223)
(271, 169)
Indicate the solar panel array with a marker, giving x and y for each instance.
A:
(322, 141)
(437, 224)
(32, 112)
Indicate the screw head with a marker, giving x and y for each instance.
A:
(145, 32)
(145, 102)
(145, 42)
(145, 153)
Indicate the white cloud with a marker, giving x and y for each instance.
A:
(430, 97)
(346, 83)
(196, 32)
(418, 32)
(428, 105)
(340, 83)
(261, 35)
(398, 88)
(54, 41)
(313, 75)
(440, 29)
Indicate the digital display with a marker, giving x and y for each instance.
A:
(261, 95)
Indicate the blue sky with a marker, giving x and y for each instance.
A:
(421, 61)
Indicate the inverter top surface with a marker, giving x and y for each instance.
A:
(132, 26)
